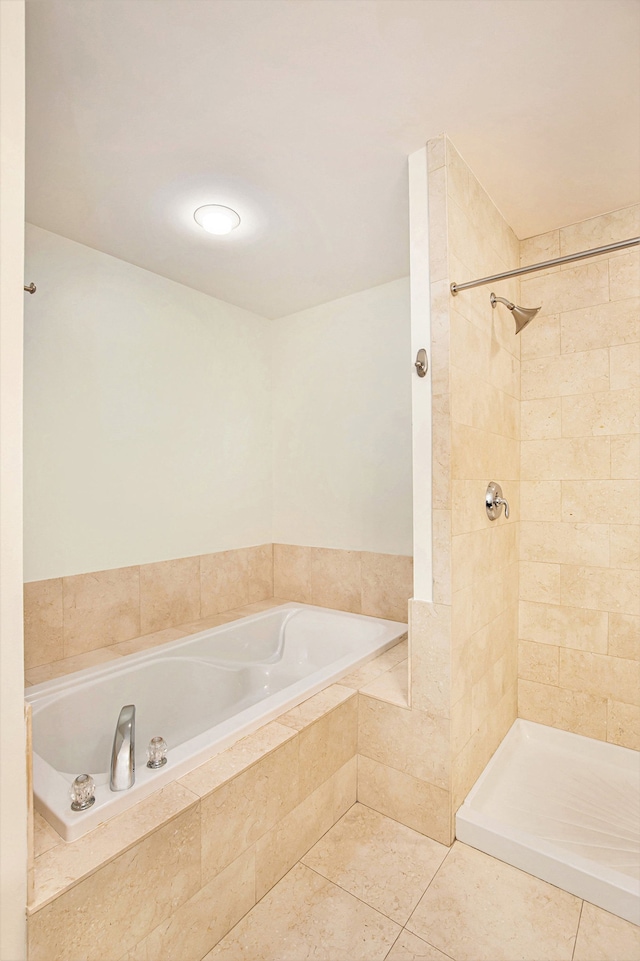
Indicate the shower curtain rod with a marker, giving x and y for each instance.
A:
(620, 245)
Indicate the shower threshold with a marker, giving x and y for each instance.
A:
(565, 808)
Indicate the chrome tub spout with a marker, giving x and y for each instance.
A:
(123, 762)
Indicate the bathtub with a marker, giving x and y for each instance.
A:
(200, 693)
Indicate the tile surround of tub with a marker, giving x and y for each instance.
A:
(129, 609)
(228, 830)
(579, 624)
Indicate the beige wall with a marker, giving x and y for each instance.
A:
(579, 625)
(13, 793)
(476, 385)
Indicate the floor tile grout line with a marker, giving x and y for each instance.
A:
(351, 894)
(575, 943)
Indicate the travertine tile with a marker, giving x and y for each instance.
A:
(583, 458)
(624, 275)
(623, 724)
(303, 914)
(603, 229)
(147, 641)
(378, 665)
(600, 675)
(605, 937)
(624, 364)
(387, 585)
(47, 672)
(601, 413)
(438, 250)
(45, 837)
(231, 579)
(624, 547)
(625, 457)
(565, 543)
(100, 609)
(564, 626)
(479, 909)
(61, 867)
(169, 593)
(258, 606)
(540, 500)
(478, 454)
(624, 636)
(569, 710)
(327, 745)
(316, 706)
(236, 759)
(205, 918)
(214, 620)
(418, 804)
(381, 862)
(396, 737)
(440, 337)
(610, 501)
(602, 325)
(392, 686)
(441, 556)
(600, 589)
(565, 374)
(235, 815)
(279, 849)
(430, 657)
(409, 947)
(541, 418)
(292, 572)
(541, 247)
(335, 579)
(43, 632)
(441, 451)
(581, 285)
(540, 582)
(130, 896)
(435, 152)
(541, 339)
(538, 662)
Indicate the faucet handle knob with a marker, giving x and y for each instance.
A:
(494, 502)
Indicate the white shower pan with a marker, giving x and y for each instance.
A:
(564, 808)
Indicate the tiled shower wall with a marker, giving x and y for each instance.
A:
(579, 625)
(67, 616)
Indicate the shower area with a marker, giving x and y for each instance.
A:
(535, 617)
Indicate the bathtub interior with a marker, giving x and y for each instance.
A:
(199, 693)
(564, 808)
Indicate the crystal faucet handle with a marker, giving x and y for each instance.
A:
(82, 793)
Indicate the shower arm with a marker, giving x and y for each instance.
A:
(608, 248)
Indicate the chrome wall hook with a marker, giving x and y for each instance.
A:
(422, 364)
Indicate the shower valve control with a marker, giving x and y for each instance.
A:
(494, 502)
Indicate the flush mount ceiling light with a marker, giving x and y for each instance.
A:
(217, 219)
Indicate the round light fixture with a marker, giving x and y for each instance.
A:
(216, 219)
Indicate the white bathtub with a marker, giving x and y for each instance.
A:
(201, 693)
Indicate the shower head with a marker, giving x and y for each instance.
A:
(521, 315)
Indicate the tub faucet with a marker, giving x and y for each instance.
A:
(123, 761)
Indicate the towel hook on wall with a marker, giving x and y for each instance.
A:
(31, 289)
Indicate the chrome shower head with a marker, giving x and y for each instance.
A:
(521, 315)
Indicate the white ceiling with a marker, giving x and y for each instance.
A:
(300, 114)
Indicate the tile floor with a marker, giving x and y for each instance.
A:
(374, 890)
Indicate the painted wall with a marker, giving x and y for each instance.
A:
(161, 423)
(342, 423)
(13, 788)
(580, 531)
(147, 416)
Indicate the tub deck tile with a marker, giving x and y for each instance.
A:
(236, 759)
(65, 864)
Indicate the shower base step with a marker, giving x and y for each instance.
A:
(564, 808)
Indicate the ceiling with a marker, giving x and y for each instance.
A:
(300, 114)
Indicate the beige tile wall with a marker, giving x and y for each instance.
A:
(579, 625)
(476, 425)
(71, 617)
(169, 878)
